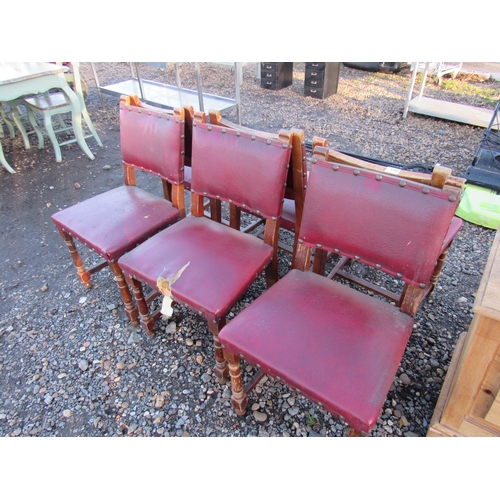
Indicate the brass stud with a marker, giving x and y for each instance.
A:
(253, 137)
(301, 240)
(318, 245)
(285, 146)
(356, 257)
(223, 130)
(314, 160)
(335, 167)
(422, 285)
(399, 275)
(402, 183)
(426, 190)
(336, 250)
(378, 177)
(452, 197)
(269, 141)
(356, 172)
(378, 266)
(209, 127)
(238, 133)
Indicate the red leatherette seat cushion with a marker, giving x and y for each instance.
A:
(340, 347)
(224, 262)
(116, 221)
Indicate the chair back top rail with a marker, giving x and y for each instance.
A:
(441, 176)
(244, 169)
(152, 139)
(389, 223)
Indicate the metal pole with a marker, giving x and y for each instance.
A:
(199, 85)
(410, 92)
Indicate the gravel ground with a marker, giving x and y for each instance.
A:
(70, 363)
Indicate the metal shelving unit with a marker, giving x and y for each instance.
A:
(442, 109)
(172, 96)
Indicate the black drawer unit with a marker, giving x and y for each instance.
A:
(276, 75)
(321, 79)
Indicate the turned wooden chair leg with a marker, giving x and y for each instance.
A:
(83, 274)
(146, 321)
(239, 398)
(221, 370)
(130, 309)
(437, 271)
(354, 433)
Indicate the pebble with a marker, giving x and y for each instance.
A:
(405, 379)
(171, 328)
(83, 364)
(260, 416)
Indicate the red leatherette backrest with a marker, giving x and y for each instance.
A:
(394, 225)
(153, 141)
(248, 170)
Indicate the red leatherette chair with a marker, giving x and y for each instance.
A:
(222, 262)
(116, 221)
(338, 346)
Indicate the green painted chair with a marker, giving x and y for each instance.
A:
(41, 109)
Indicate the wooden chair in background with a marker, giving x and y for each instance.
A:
(114, 222)
(338, 346)
(222, 262)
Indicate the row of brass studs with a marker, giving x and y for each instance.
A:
(402, 183)
(253, 136)
(157, 115)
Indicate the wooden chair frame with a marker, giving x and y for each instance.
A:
(412, 296)
(171, 192)
(148, 318)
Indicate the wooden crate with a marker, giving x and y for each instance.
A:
(469, 403)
